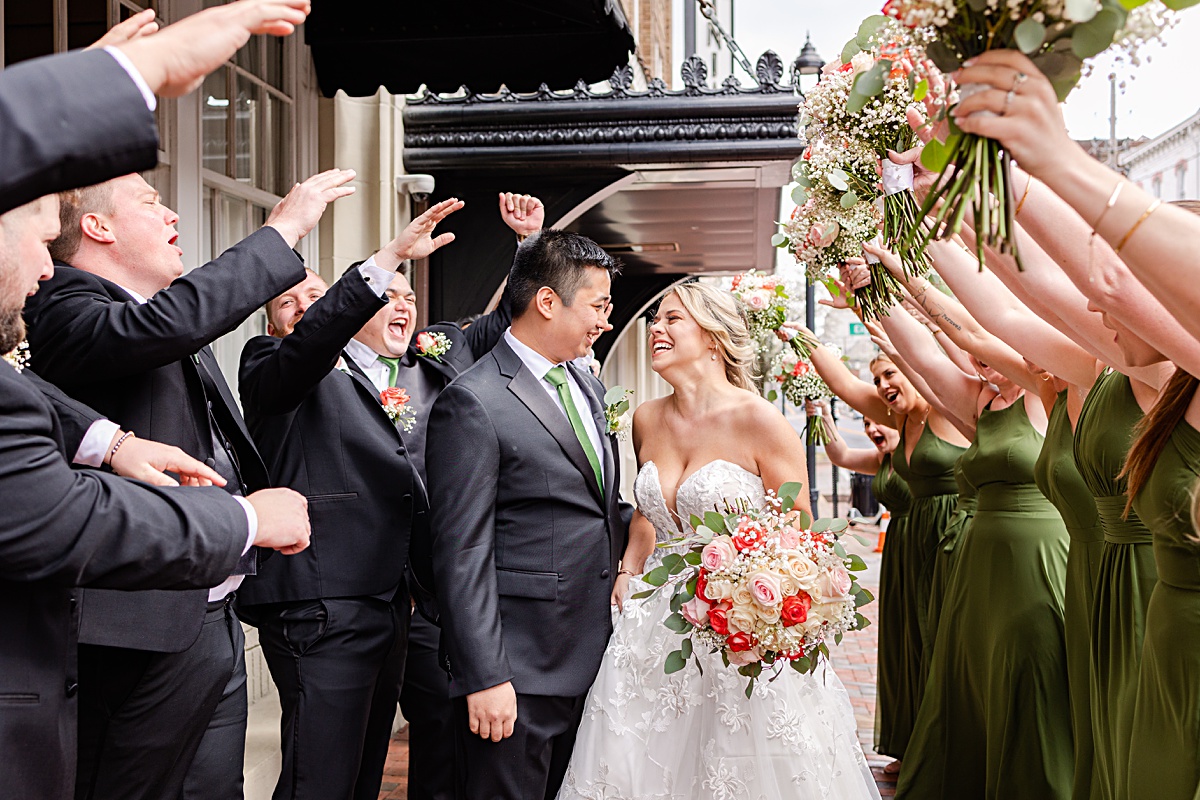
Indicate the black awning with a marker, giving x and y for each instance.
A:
(360, 45)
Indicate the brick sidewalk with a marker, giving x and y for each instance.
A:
(854, 661)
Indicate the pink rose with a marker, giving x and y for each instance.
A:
(425, 341)
(718, 554)
(758, 300)
(824, 236)
(740, 658)
(834, 584)
(765, 587)
(789, 538)
(695, 611)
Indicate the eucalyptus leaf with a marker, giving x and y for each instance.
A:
(920, 90)
(860, 621)
(677, 623)
(942, 56)
(838, 179)
(850, 51)
(820, 526)
(856, 102)
(868, 28)
(714, 521)
(1093, 37)
(685, 647)
(1062, 68)
(805, 517)
(977, 5)
(614, 395)
(870, 83)
(837, 638)
(675, 662)
(838, 525)
(1029, 35)
(803, 180)
(657, 576)
(789, 492)
(677, 601)
(837, 548)
(750, 689)
(799, 197)
(849, 199)
(1179, 5)
(856, 563)
(1080, 10)
(692, 557)
(772, 396)
(864, 541)
(642, 594)
(673, 562)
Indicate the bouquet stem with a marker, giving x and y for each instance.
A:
(901, 216)
(817, 431)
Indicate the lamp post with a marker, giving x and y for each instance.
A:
(808, 65)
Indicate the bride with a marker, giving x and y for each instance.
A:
(646, 734)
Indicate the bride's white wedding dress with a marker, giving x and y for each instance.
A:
(646, 734)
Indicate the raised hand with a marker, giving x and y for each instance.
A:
(282, 520)
(889, 260)
(146, 460)
(840, 300)
(492, 712)
(301, 210)
(523, 213)
(175, 60)
(417, 239)
(140, 24)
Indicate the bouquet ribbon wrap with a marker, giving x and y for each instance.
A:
(897, 177)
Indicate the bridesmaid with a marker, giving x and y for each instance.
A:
(894, 712)
(1162, 470)
(928, 446)
(995, 720)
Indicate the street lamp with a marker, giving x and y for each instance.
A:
(809, 63)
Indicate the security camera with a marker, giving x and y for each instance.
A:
(418, 186)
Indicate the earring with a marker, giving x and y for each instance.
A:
(714, 356)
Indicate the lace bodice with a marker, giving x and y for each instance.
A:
(714, 487)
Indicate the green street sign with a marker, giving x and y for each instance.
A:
(858, 329)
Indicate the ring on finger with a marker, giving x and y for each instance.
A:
(1008, 98)
(1018, 79)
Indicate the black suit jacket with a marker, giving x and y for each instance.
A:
(324, 433)
(140, 365)
(70, 120)
(61, 527)
(525, 546)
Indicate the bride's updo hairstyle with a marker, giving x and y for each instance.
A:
(719, 315)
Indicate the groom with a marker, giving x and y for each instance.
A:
(526, 523)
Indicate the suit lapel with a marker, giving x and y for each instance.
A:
(365, 386)
(529, 391)
(443, 368)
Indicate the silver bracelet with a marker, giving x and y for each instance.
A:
(623, 571)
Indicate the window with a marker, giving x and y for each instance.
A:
(248, 159)
(1156, 186)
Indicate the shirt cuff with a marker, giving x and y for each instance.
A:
(251, 522)
(378, 278)
(139, 81)
(95, 443)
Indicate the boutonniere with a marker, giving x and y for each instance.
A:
(395, 403)
(18, 356)
(432, 345)
(617, 413)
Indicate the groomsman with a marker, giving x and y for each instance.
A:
(162, 674)
(60, 528)
(334, 625)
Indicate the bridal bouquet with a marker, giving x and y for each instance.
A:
(764, 299)
(763, 588)
(1059, 36)
(800, 382)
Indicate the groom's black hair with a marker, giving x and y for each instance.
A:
(558, 259)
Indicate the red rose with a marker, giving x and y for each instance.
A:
(740, 642)
(718, 617)
(795, 609)
(749, 534)
(702, 584)
(393, 395)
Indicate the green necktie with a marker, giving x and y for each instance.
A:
(393, 365)
(557, 377)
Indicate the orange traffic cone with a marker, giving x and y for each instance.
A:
(884, 518)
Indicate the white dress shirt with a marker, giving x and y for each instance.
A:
(539, 365)
(367, 359)
(139, 81)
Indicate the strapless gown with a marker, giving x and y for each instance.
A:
(693, 735)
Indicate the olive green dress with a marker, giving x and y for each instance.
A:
(1164, 753)
(944, 559)
(996, 718)
(1059, 479)
(1126, 577)
(894, 711)
(930, 478)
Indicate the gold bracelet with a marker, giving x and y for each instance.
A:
(1112, 201)
(1145, 215)
(1024, 197)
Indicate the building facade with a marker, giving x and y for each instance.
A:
(1168, 165)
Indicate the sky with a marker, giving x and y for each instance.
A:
(1157, 96)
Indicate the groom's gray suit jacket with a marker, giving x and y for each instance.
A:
(525, 546)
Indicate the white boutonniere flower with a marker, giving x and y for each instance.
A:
(18, 356)
(617, 412)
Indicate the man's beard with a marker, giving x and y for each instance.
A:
(12, 328)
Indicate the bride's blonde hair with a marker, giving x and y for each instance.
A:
(719, 315)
